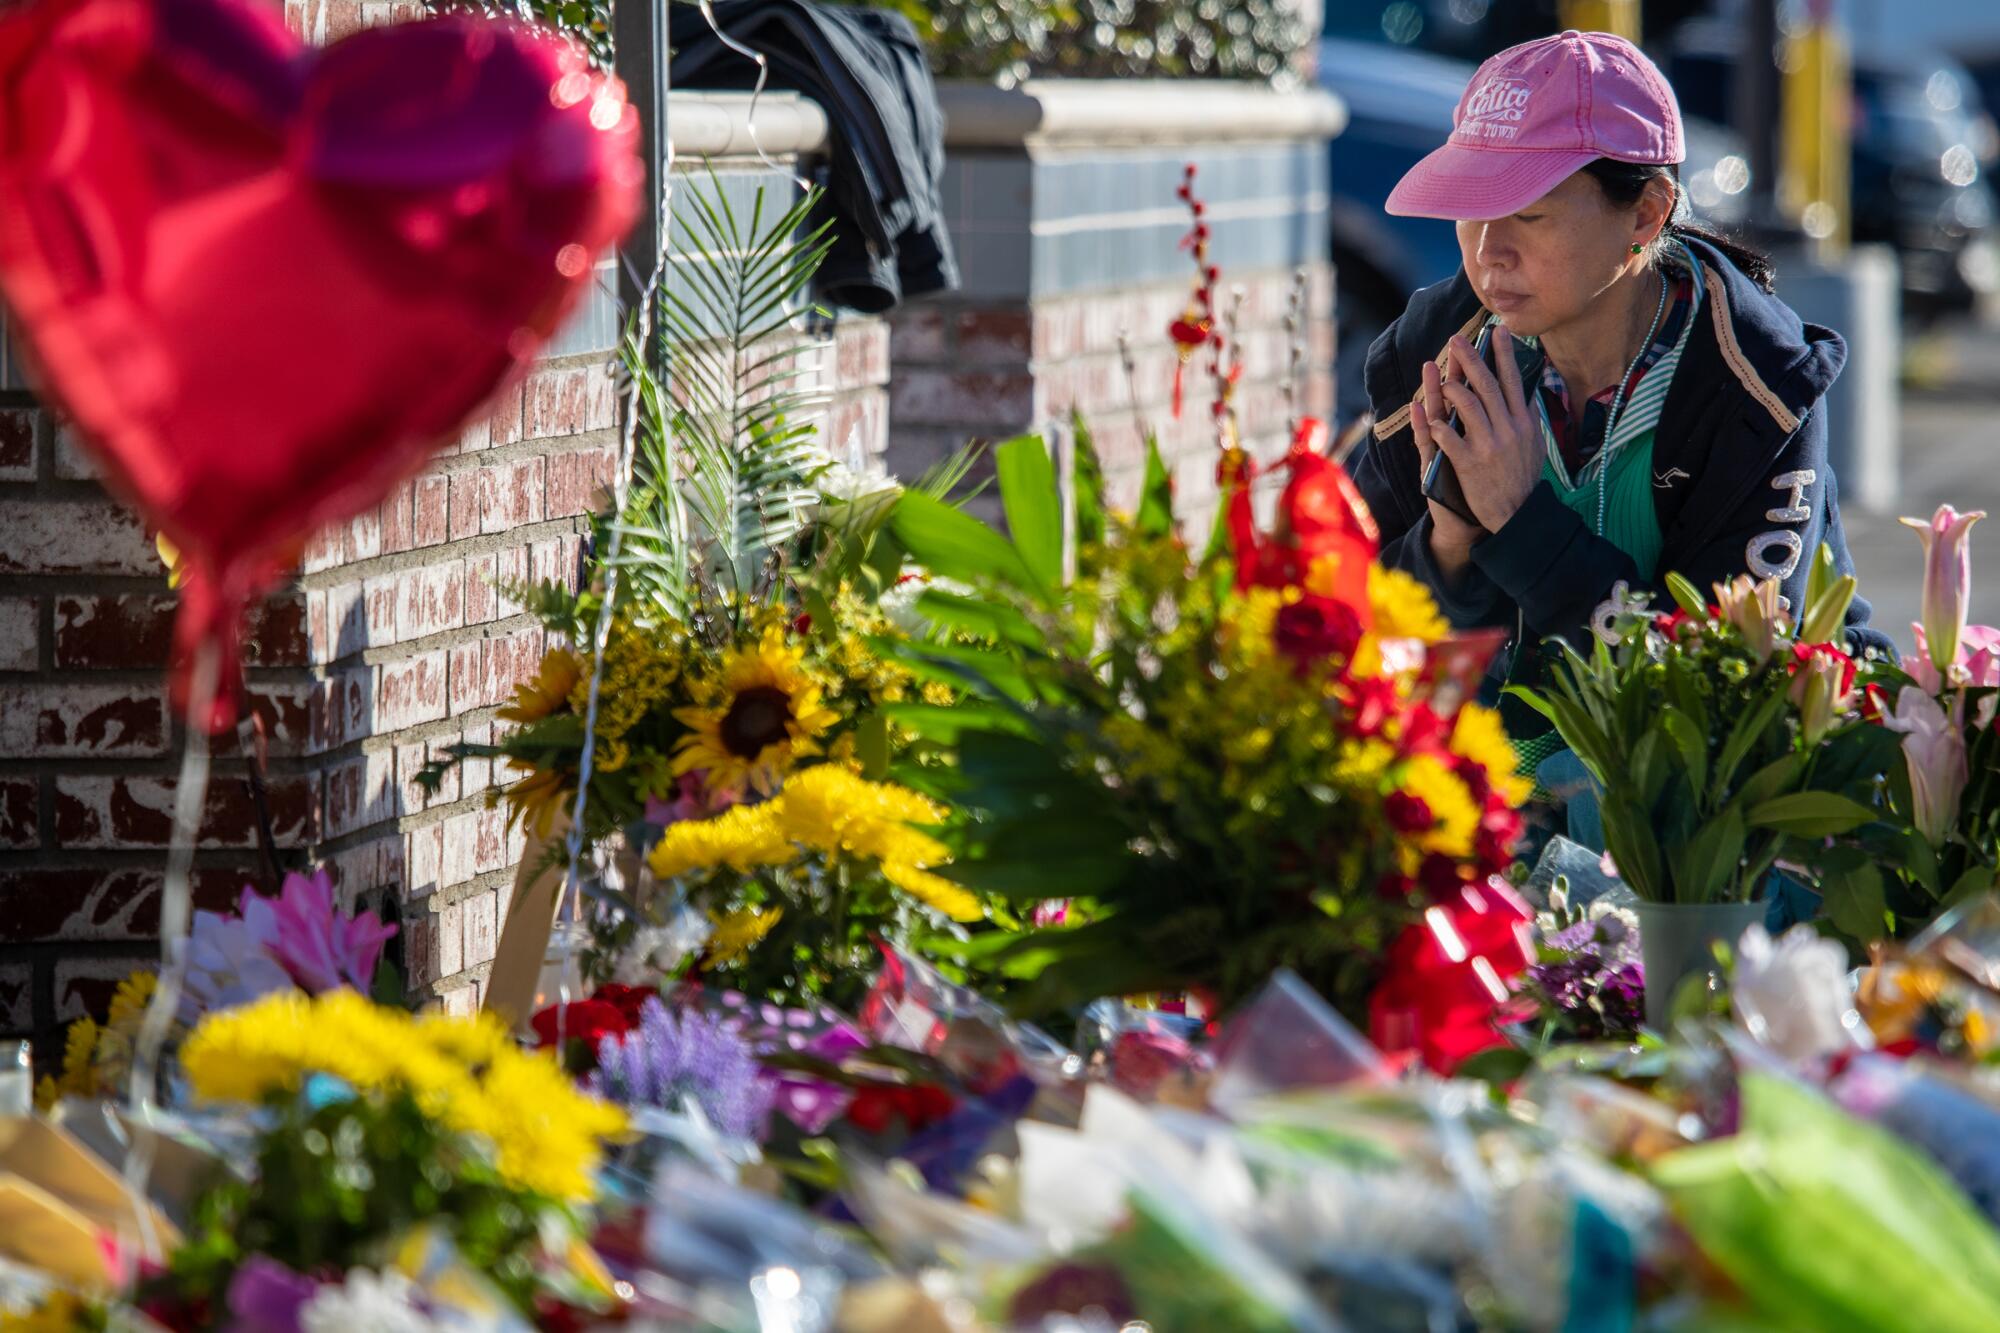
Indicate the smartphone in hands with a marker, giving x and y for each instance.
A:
(1440, 479)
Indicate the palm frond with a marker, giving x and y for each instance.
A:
(739, 370)
(725, 456)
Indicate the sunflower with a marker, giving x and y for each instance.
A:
(550, 689)
(536, 799)
(769, 715)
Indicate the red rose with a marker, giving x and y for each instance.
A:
(1407, 813)
(627, 1000)
(587, 1021)
(1315, 628)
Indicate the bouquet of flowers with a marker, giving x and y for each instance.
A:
(740, 740)
(1938, 842)
(1256, 757)
(1721, 735)
(379, 1128)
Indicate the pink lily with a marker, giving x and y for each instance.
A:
(1947, 582)
(321, 947)
(1753, 608)
(1934, 749)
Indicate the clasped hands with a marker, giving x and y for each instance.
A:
(1496, 446)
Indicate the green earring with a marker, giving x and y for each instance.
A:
(1638, 249)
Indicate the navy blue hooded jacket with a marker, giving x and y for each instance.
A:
(1741, 482)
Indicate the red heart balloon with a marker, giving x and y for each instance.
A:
(266, 281)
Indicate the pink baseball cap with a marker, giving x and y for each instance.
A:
(1536, 113)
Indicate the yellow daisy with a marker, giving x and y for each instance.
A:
(550, 689)
(1403, 607)
(769, 715)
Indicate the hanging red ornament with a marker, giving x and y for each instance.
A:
(266, 281)
(1189, 333)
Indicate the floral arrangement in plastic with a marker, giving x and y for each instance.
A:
(1938, 841)
(741, 735)
(1587, 982)
(380, 1127)
(1723, 735)
(1253, 757)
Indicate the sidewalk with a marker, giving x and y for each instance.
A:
(1951, 453)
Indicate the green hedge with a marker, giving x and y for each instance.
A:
(1011, 40)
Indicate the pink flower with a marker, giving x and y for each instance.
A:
(691, 800)
(1947, 582)
(1934, 749)
(321, 948)
(1752, 607)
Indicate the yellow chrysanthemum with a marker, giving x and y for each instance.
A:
(742, 837)
(1479, 736)
(738, 932)
(537, 799)
(129, 1001)
(767, 714)
(1456, 817)
(934, 891)
(1403, 607)
(831, 810)
(467, 1073)
(550, 689)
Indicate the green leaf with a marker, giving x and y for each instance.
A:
(1087, 483)
(1810, 814)
(985, 618)
(871, 746)
(1687, 596)
(1772, 779)
(1499, 1065)
(1974, 882)
(1705, 869)
(1156, 495)
(956, 545)
(1692, 746)
(1033, 502)
(1855, 902)
(946, 723)
(1752, 727)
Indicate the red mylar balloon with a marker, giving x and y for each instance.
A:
(266, 281)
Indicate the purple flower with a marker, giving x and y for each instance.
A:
(265, 1296)
(1589, 981)
(672, 1059)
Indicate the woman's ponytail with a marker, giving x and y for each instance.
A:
(1624, 183)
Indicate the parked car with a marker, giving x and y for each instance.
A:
(1400, 102)
(1922, 142)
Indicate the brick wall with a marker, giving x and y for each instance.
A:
(991, 369)
(1069, 236)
